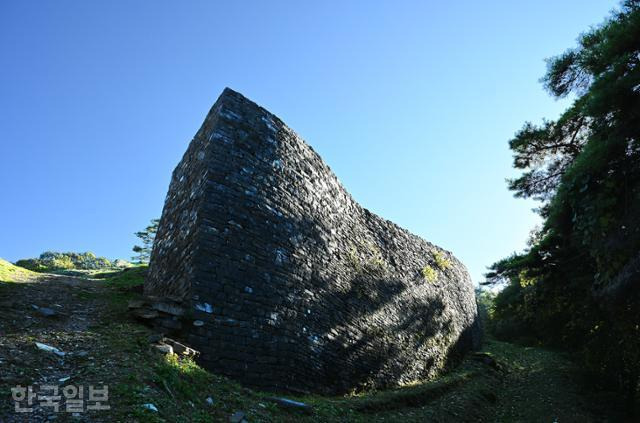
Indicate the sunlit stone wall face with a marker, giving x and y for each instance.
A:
(291, 284)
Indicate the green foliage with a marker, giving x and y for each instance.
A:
(375, 262)
(366, 258)
(577, 283)
(429, 274)
(184, 377)
(486, 308)
(532, 384)
(147, 236)
(354, 259)
(127, 278)
(33, 265)
(179, 388)
(12, 273)
(441, 261)
(54, 261)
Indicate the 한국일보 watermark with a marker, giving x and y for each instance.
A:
(51, 396)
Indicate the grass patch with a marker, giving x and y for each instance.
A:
(504, 382)
(12, 273)
(179, 387)
(441, 261)
(416, 396)
(124, 279)
(429, 274)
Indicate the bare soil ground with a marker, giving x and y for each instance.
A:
(76, 309)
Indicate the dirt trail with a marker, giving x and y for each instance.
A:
(544, 386)
(55, 311)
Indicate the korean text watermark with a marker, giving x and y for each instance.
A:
(51, 396)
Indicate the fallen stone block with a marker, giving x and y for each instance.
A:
(288, 404)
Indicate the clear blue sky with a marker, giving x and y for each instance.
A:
(411, 103)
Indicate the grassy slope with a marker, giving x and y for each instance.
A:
(504, 382)
(180, 388)
(12, 273)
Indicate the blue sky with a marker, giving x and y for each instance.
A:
(411, 103)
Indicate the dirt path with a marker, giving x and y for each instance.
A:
(51, 310)
(544, 386)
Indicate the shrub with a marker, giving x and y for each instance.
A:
(51, 260)
(62, 263)
(32, 264)
(429, 273)
(441, 261)
(366, 258)
(354, 259)
(486, 309)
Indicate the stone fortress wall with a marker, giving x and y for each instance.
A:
(287, 282)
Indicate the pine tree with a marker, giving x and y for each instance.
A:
(147, 236)
(578, 284)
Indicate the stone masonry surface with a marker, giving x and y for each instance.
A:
(289, 284)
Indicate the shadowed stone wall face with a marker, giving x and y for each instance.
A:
(297, 286)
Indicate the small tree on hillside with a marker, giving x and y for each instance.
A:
(147, 237)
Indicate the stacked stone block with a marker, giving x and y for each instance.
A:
(289, 283)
